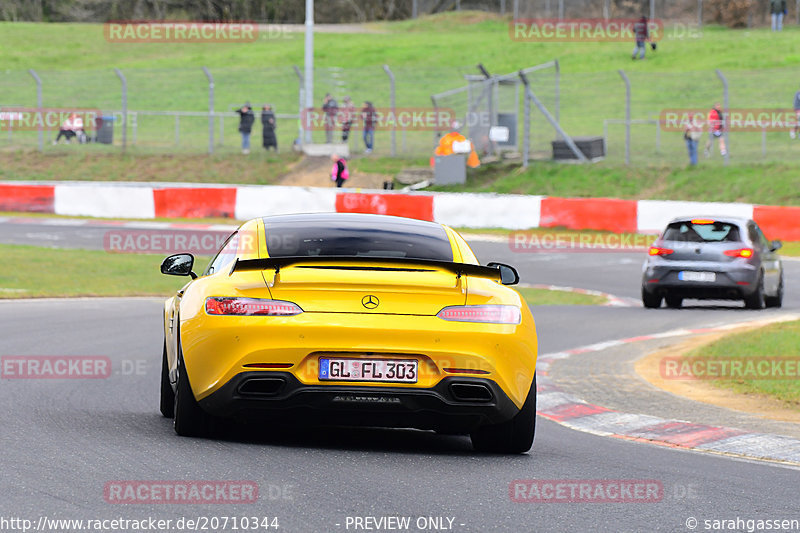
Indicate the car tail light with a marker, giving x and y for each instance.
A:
(741, 252)
(494, 314)
(702, 221)
(250, 307)
(655, 250)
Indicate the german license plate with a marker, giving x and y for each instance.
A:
(687, 275)
(385, 370)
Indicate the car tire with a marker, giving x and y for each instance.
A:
(674, 302)
(167, 394)
(514, 436)
(651, 301)
(777, 300)
(189, 420)
(756, 300)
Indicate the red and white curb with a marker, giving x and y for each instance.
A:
(575, 413)
(611, 300)
(474, 210)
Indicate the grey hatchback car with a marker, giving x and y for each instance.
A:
(713, 258)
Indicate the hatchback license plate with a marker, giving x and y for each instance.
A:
(697, 276)
(385, 370)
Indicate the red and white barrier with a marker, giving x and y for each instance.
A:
(472, 210)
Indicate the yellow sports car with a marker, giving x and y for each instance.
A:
(351, 319)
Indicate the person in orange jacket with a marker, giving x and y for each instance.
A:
(447, 142)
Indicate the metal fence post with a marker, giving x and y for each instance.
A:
(652, 9)
(606, 9)
(38, 81)
(210, 110)
(502, 7)
(558, 91)
(627, 116)
(700, 13)
(394, 113)
(221, 129)
(726, 108)
(516, 9)
(301, 99)
(121, 77)
(414, 9)
(560, 9)
(526, 129)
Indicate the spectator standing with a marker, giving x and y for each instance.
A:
(796, 130)
(642, 35)
(268, 125)
(330, 108)
(716, 127)
(348, 115)
(692, 135)
(777, 9)
(369, 117)
(339, 172)
(246, 119)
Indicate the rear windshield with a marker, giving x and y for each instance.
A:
(347, 238)
(689, 232)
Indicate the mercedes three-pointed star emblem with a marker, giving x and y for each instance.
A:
(370, 302)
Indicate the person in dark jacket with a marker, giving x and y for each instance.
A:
(330, 108)
(369, 117)
(777, 10)
(642, 35)
(268, 125)
(246, 119)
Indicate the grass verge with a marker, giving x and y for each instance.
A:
(49, 272)
(554, 297)
(777, 341)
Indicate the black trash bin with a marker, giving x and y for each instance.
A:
(105, 130)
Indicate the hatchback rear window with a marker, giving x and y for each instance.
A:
(691, 232)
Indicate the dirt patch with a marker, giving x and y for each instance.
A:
(701, 391)
(316, 172)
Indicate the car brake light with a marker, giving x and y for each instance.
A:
(250, 307)
(741, 252)
(655, 250)
(702, 221)
(494, 314)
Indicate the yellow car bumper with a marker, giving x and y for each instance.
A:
(217, 350)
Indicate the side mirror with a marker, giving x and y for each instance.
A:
(775, 245)
(178, 265)
(508, 274)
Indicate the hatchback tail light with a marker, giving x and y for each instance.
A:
(656, 250)
(741, 252)
(250, 307)
(494, 314)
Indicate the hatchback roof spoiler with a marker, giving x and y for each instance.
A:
(241, 265)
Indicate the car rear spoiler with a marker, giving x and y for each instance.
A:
(242, 265)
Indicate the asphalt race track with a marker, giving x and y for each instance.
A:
(63, 441)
